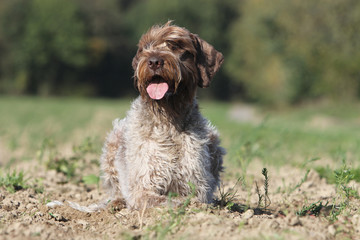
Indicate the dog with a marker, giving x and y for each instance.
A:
(164, 143)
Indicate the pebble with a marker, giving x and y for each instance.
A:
(293, 220)
(248, 214)
(54, 204)
(84, 223)
(332, 230)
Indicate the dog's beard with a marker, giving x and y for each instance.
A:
(158, 84)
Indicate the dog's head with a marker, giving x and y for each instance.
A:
(171, 61)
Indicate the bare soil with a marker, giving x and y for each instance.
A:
(24, 214)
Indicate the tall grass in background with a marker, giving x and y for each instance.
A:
(286, 136)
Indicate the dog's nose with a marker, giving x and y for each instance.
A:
(155, 63)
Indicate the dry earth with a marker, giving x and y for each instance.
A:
(24, 214)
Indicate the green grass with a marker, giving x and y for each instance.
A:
(26, 121)
(283, 136)
(290, 135)
(14, 181)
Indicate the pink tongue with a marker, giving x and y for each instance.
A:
(157, 90)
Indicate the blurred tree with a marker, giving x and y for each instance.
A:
(12, 18)
(109, 69)
(279, 53)
(49, 42)
(291, 50)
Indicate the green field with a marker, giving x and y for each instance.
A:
(275, 136)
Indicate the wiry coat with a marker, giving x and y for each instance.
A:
(163, 145)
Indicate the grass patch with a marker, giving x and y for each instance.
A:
(27, 121)
(227, 198)
(283, 136)
(289, 135)
(313, 209)
(77, 161)
(328, 174)
(342, 200)
(14, 182)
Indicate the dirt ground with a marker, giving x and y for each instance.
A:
(24, 214)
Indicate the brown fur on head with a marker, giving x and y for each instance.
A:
(172, 55)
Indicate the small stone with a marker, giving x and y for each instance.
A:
(54, 204)
(84, 223)
(274, 224)
(248, 214)
(332, 230)
(293, 220)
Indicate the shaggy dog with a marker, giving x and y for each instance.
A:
(164, 143)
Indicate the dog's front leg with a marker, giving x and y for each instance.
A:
(113, 144)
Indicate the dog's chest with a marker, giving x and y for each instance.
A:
(158, 143)
(161, 144)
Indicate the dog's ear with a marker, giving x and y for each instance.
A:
(135, 61)
(134, 64)
(208, 60)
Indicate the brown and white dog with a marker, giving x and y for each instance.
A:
(164, 143)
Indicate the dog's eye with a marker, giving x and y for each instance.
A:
(172, 45)
(186, 55)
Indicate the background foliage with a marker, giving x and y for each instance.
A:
(281, 53)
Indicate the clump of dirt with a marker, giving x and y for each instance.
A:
(24, 214)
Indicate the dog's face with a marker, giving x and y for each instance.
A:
(171, 61)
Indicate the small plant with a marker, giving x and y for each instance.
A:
(298, 185)
(313, 209)
(263, 199)
(87, 146)
(38, 185)
(175, 216)
(69, 165)
(47, 147)
(91, 179)
(227, 198)
(342, 177)
(245, 155)
(14, 182)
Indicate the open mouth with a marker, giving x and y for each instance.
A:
(157, 88)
